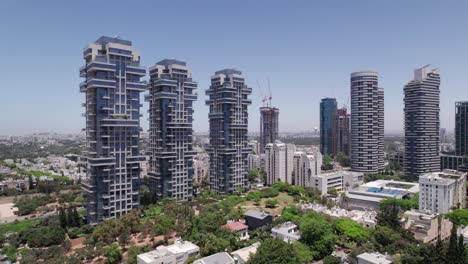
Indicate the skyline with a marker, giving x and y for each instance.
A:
(308, 52)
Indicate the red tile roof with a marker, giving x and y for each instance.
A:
(235, 226)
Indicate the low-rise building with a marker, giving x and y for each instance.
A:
(425, 227)
(373, 258)
(368, 196)
(176, 253)
(464, 233)
(239, 228)
(365, 218)
(287, 232)
(242, 256)
(254, 219)
(442, 191)
(218, 258)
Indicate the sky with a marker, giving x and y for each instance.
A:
(307, 49)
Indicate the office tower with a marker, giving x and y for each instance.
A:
(461, 128)
(171, 95)
(228, 117)
(341, 121)
(367, 123)
(279, 162)
(442, 132)
(268, 126)
(327, 113)
(112, 88)
(439, 192)
(422, 123)
(305, 167)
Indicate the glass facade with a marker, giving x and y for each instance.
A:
(327, 112)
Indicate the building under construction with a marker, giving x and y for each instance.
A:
(341, 131)
(268, 126)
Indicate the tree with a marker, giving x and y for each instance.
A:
(331, 260)
(351, 230)
(76, 217)
(343, 160)
(458, 217)
(124, 237)
(253, 174)
(317, 234)
(271, 203)
(303, 253)
(113, 254)
(63, 217)
(456, 248)
(327, 163)
(274, 251)
(388, 215)
(71, 221)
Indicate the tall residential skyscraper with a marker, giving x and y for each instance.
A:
(228, 117)
(341, 121)
(367, 123)
(327, 112)
(171, 95)
(279, 162)
(112, 88)
(461, 128)
(268, 126)
(422, 123)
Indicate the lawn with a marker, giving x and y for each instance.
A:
(283, 199)
(19, 226)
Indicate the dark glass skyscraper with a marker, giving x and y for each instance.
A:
(341, 122)
(171, 95)
(268, 126)
(228, 117)
(112, 88)
(422, 123)
(461, 128)
(327, 113)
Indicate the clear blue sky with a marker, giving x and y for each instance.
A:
(306, 48)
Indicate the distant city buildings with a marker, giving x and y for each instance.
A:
(422, 123)
(442, 191)
(171, 95)
(459, 161)
(228, 116)
(112, 90)
(268, 126)
(279, 162)
(327, 115)
(341, 130)
(253, 161)
(367, 123)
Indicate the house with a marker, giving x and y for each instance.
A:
(239, 228)
(255, 219)
(373, 258)
(176, 253)
(242, 255)
(218, 258)
(426, 227)
(287, 232)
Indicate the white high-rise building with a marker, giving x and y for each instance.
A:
(367, 123)
(279, 162)
(439, 192)
(253, 161)
(306, 166)
(422, 123)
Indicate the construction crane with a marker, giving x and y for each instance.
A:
(264, 98)
(269, 90)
